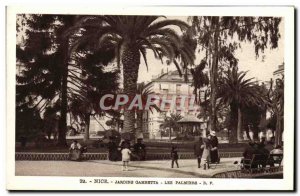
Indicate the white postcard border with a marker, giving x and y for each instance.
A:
(72, 183)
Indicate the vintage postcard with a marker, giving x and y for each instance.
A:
(150, 98)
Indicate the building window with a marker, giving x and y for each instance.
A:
(165, 88)
(165, 91)
(178, 86)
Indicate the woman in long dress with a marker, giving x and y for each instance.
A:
(214, 151)
(75, 151)
(206, 152)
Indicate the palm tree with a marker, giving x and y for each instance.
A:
(171, 122)
(132, 37)
(186, 54)
(238, 92)
(144, 91)
(215, 35)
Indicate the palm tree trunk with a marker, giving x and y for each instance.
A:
(62, 142)
(214, 76)
(131, 62)
(278, 135)
(87, 128)
(139, 122)
(239, 125)
(233, 123)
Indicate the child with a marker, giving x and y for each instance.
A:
(125, 157)
(206, 153)
(198, 150)
(174, 156)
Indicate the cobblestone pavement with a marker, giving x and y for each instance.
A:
(161, 168)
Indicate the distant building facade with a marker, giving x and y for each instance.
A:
(168, 85)
(279, 73)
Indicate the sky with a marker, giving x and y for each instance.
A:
(257, 68)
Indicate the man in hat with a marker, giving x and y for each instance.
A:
(214, 154)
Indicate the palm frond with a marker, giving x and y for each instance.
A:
(143, 52)
(178, 67)
(164, 23)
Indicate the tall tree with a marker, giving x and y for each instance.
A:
(132, 37)
(43, 60)
(45, 57)
(48, 67)
(93, 82)
(38, 75)
(200, 79)
(238, 93)
(275, 100)
(219, 37)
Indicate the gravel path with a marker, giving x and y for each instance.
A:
(188, 168)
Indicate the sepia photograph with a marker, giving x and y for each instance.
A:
(184, 99)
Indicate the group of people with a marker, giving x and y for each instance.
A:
(259, 148)
(122, 152)
(204, 148)
(139, 152)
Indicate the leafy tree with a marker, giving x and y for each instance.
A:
(200, 80)
(219, 37)
(28, 124)
(50, 70)
(275, 100)
(185, 54)
(38, 75)
(132, 37)
(115, 118)
(171, 122)
(92, 83)
(45, 60)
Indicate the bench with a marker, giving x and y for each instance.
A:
(257, 161)
(260, 161)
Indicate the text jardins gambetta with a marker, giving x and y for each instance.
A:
(148, 182)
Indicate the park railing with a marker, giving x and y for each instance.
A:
(40, 156)
(33, 156)
(251, 173)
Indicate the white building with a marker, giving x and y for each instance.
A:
(169, 85)
(279, 73)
